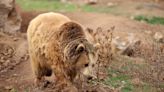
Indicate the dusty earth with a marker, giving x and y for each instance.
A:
(15, 70)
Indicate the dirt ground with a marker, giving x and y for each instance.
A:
(15, 70)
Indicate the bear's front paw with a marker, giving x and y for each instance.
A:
(41, 83)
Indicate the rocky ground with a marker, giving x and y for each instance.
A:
(140, 71)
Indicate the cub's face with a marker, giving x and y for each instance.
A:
(84, 59)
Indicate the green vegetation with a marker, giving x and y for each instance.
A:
(121, 76)
(56, 5)
(150, 20)
(117, 79)
(42, 5)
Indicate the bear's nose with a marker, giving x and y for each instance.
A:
(90, 78)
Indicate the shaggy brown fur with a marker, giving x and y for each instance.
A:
(58, 45)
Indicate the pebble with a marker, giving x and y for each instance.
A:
(15, 75)
(158, 37)
(15, 39)
(10, 51)
(6, 63)
(110, 4)
(8, 87)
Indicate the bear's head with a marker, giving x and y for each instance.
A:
(79, 54)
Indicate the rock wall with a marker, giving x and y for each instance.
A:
(10, 20)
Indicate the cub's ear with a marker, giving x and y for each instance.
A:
(80, 48)
(96, 46)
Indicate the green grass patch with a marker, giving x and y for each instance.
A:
(56, 5)
(119, 80)
(150, 20)
(44, 5)
(128, 88)
(121, 74)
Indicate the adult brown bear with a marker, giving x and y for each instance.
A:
(59, 45)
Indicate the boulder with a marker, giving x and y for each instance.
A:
(10, 20)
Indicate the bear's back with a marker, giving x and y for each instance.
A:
(46, 24)
(44, 27)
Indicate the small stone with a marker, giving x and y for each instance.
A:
(26, 57)
(110, 4)
(91, 2)
(123, 82)
(15, 39)
(2, 61)
(64, 1)
(148, 32)
(159, 37)
(114, 75)
(6, 63)
(5, 53)
(18, 61)
(132, 17)
(136, 81)
(8, 87)
(10, 51)
(2, 58)
(15, 75)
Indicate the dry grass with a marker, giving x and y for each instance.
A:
(141, 70)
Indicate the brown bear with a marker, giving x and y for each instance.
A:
(59, 45)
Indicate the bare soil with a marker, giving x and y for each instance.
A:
(15, 70)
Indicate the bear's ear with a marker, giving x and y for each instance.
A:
(80, 48)
(89, 30)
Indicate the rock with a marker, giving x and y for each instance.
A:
(110, 4)
(130, 49)
(132, 17)
(7, 62)
(2, 58)
(125, 45)
(91, 2)
(8, 87)
(159, 37)
(15, 39)
(26, 57)
(10, 20)
(114, 75)
(2, 61)
(15, 75)
(137, 81)
(10, 51)
(118, 45)
(64, 1)
(148, 32)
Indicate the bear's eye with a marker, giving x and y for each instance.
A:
(81, 49)
(93, 65)
(86, 65)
